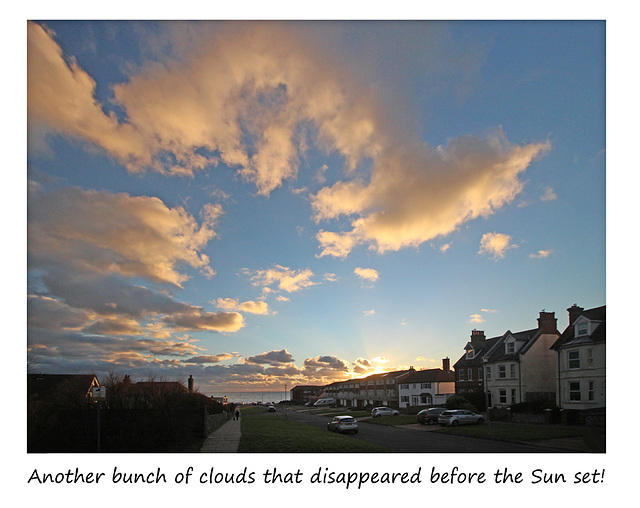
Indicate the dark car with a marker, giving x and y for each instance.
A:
(430, 416)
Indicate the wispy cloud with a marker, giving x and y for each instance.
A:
(280, 278)
(541, 254)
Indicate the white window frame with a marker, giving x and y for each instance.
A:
(575, 391)
(573, 363)
(502, 371)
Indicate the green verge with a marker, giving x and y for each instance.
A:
(273, 433)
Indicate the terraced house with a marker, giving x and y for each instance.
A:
(377, 390)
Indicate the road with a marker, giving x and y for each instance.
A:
(405, 439)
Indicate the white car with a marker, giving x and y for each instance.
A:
(383, 411)
(455, 417)
(343, 423)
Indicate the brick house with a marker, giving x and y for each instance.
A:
(469, 373)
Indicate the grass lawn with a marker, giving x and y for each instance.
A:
(593, 438)
(273, 433)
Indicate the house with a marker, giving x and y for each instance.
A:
(61, 389)
(305, 393)
(520, 366)
(429, 387)
(510, 368)
(581, 360)
(376, 389)
(469, 369)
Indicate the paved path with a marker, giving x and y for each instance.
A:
(223, 440)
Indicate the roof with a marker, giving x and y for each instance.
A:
(599, 334)
(429, 376)
(529, 337)
(485, 347)
(47, 385)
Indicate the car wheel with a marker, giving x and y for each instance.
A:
(480, 421)
(430, 422)
(455, 423)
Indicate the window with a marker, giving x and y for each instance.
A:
(502, 371)
(574, 391)
(471, 353)
(479, 373)
(513, 395)
(510, 347)
(574, 359)
(488, 373)
(461, 375)
(512, 368)
(503, 396)
(582, 329)
(590, 358)
(470, 375)
(404, 386)
(592, 391)
(404, 398)
(426, 386)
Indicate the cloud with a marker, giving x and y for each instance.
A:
(417, 193)
(249, 306)
(198, 320)
(133, 236)
(549, 195)
(281, 357)
(541, 254)
(246, 95)
(495, 245)
(210, 358)
(476, 318)
(281, 278)
(367, 274)
(369, 313)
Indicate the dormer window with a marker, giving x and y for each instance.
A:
(471, 353)
(510, 347)
(582, 329)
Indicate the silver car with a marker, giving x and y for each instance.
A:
(344, 423)
(455, 417)
(383, 411)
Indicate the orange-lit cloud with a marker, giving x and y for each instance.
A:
(495, 245)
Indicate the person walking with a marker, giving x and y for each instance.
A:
(237, 415)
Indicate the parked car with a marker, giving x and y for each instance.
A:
(455, 417)
(344, 423)
(271, 408)
(383, 411)
(430, 416)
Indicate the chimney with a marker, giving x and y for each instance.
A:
(574, 313)
(446, 364)
(477, 336)
(547, 322)
(190, 384)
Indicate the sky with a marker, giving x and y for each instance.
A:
(269, 204)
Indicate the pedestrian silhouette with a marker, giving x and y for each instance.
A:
(237, 415)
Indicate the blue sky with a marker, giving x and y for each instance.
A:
(270, 204)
